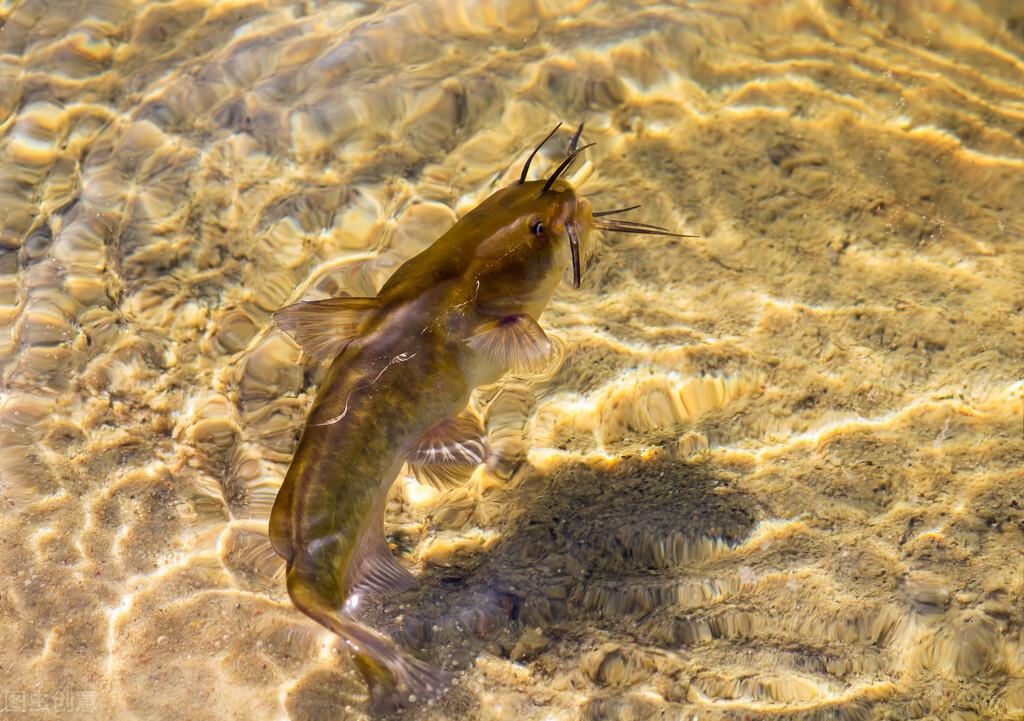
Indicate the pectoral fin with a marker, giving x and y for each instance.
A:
(447, 453)
(515, 342)
(324, 327)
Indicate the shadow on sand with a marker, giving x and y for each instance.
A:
(586, 555)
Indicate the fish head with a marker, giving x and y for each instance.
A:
(518, 243)
(554, 211)
(557, 223)
(523, 240)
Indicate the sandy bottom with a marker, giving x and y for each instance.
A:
(778, 473)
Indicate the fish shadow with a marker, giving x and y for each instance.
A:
(585, 553)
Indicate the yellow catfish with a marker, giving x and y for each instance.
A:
(403, 365)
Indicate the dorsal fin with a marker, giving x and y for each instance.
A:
(324, 327)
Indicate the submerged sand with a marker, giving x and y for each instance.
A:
(777, 473)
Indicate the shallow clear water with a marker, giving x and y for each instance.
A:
(776, 474)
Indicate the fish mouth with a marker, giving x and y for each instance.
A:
(572, 230)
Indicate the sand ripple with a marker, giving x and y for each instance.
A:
(777, 473)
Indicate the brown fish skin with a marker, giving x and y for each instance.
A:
(456, 316)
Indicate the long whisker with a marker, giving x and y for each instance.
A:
(576, 139)
(641, 229)
(613, 212)
(565, 164)
(574, 250)
(526, 165)
(634, 224)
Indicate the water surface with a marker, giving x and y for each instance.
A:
(777, 474)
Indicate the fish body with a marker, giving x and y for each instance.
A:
(328, 519)
(458, 315)
(402, 367)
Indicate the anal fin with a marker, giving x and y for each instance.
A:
(448, 452)
(324, 327)
(374, 569)
(516, 342)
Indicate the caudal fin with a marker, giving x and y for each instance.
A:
(395, 679)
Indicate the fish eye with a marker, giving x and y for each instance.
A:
(536, 226)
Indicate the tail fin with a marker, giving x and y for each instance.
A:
(395, 679)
